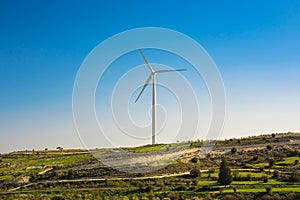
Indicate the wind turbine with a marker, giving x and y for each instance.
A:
(153, 76)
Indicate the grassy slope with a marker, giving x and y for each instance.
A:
(22, 164)
(146, 148)
(19, 164)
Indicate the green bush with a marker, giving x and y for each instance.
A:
(233, 150)
(194, 160)
(269, 147)
(271, 162)
(295, 176)
(194, 173)
(268, 188)
(265, 179)
(180, 188)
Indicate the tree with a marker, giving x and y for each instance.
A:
(225, 177)
(194, 160)
(195, 182)
(276, 174)
(234, 189)
(265, 179)
(195, 173)
(269, 147)
(71, 173)
(255, 158)
(59, 148)
(271, 162)
(233, 150)
(268, 188)
(295, 176)
(248, 177)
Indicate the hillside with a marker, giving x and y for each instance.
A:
(255, 161)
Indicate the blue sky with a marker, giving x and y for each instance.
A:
(256, 46)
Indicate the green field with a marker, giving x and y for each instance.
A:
(24, 164)
(288, 161)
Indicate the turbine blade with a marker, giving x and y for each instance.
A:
(170, 70)
(146, 61)
(145, 85)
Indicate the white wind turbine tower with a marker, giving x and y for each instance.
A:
(153, 76)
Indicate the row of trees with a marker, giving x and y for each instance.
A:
(225, 176)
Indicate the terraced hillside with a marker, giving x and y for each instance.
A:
(262, 166)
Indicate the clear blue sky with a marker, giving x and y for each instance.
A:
(255, 44)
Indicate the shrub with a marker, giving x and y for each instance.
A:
(57, 198)
(248, 177)
(233, 150)
(221, 190)
(255, 158)
(266, 197)
(206, 187)
(268, 188)
(149, 188)
(261, 169)
(195, 173)
(265, 179)
(292, 153)
(269, 147)
(293, 196)
(234, 189)
(276, 174)
(195, 182)
(191, 188)
(209, 175)
(271, 162)
(180, 188)
(236, 175)
(173, 196)
(194, 160)
(229, 197)
(295, 177)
